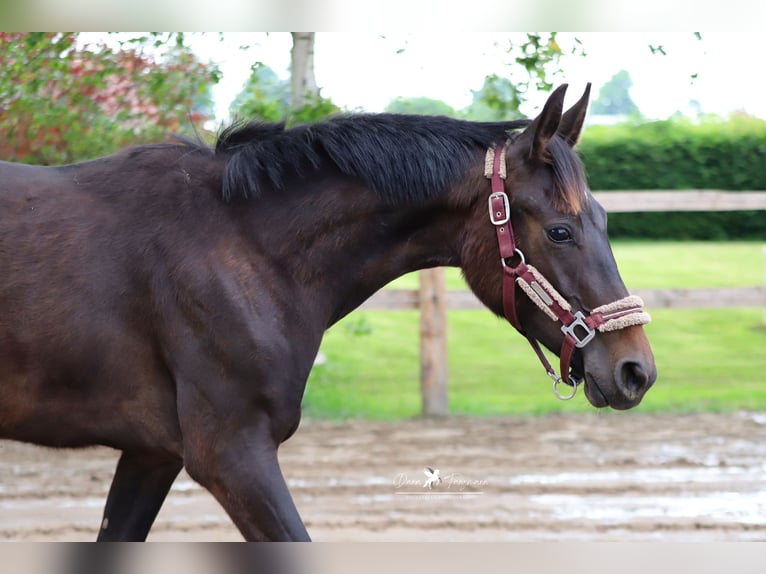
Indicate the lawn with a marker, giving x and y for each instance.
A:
(707, 359)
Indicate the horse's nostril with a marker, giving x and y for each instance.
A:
(633, 379)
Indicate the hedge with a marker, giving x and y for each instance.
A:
(679, 154)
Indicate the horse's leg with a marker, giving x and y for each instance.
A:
(139, 487)
(230, 442)
(243, 474)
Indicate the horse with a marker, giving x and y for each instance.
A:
(168, 300)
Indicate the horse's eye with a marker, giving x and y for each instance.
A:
(559, 234)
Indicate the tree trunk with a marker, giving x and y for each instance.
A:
(302, 80)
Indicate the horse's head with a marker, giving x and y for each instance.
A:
(561, 231)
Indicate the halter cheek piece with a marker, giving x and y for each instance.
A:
(578, 328)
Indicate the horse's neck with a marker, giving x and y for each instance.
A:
(416, 240)
(347, 244)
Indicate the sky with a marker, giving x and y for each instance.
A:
(366, 70)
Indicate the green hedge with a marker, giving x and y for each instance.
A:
(678, 154)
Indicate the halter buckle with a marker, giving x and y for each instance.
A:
(503, 217)
(579, 322)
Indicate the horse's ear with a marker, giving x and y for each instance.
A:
(544, 126)
(573, 118)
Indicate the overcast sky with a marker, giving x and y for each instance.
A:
(366, 70)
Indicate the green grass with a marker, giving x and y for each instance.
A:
(707, 359)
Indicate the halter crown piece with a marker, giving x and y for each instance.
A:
(579, 329)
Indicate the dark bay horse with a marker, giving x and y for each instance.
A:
(168, 300)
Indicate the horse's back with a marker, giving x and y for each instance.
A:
(19, 180)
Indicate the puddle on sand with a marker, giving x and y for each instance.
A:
(721, 507)
(644, 476)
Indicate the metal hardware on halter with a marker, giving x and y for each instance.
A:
(557, 381)
(580, 323)
(516, 252)
(499, 218)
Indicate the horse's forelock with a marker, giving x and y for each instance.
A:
(569, 176)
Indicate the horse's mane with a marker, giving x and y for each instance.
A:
(402, 158)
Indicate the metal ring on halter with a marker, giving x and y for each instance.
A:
(517, 252)
(556, 381)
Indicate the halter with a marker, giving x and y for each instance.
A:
(578, 328)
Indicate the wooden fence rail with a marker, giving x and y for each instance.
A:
(698, 298)
(433, 299)
(687, 200)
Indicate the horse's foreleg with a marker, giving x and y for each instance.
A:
(233, 413)
(140, 485)
(244, 476)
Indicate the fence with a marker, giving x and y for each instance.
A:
(433, 300)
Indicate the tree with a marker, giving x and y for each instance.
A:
(62, 100)
(614, 97)
(264, 96)
(498, 99)
(297, 100)
(534, 63)
(303, 84)
(421, 105)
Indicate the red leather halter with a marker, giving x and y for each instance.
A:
(578, 328)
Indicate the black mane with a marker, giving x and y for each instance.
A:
(403, 158)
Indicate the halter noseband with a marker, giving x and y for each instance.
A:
(578, 328)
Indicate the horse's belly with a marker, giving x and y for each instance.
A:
(54, 413)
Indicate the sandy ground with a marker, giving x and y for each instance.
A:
(598, 476)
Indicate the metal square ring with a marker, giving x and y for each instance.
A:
(579, 321)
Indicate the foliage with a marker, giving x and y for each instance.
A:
(266, 97)
(316, 108)
(679, 154)
(422, 105)
(614, 97)
(497, 100)
(63, 101)
(534, 63)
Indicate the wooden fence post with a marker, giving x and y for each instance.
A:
(763, 318)
(433, 342)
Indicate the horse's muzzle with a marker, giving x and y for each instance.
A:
(632, 378)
